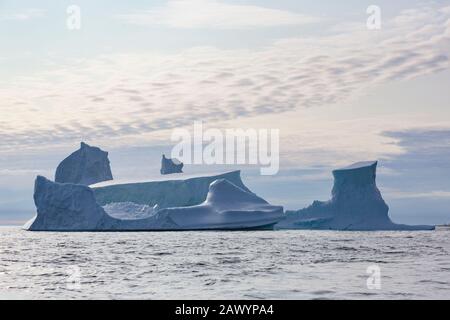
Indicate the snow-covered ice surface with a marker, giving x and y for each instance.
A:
(129, 210)
(356, 204)
(71, 207)
(86, 166)
(282, 264)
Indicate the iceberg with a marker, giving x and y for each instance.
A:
(356, 204)
(223, 206)
(85, 166)
(170, 166)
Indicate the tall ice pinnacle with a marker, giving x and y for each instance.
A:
(356, 204)
(355, 193)
(86, 166)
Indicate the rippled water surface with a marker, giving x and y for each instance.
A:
(223, 265)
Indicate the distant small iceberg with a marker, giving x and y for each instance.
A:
(170, 166)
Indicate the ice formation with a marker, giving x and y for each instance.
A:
(356, 204)
(85, 166)
(225, 205)
(169, 166)
(165, 193)
(199, 203)
(67, 206)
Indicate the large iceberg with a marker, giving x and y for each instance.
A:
(356, 204)
(170, 166)
(85, 166)
(225, 206)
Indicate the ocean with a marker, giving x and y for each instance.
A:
(224, 265)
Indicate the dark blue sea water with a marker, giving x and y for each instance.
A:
(223, 265)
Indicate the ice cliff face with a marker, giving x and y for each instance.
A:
(86, 166)
(71, 207)
(356, 204)
(169, 166)
(65, 207)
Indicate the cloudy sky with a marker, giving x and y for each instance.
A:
(338, 92)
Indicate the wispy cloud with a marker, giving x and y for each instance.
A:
(397, 194)
(25, 15)
(216, 15)
(138, 95)
(426, 150)
(423, 168)
(18, 172)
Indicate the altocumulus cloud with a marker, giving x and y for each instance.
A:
(134, 95)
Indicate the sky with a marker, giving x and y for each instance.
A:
(338, 91)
